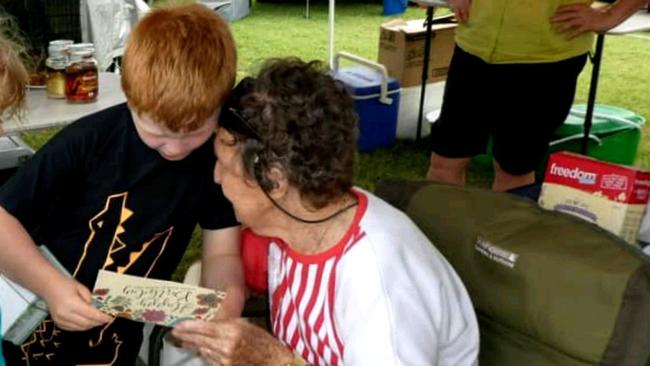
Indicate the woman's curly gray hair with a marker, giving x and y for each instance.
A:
(305, 124)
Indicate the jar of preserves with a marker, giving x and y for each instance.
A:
(81, 74)
(55, 65)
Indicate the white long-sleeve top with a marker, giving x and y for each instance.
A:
(382, 296)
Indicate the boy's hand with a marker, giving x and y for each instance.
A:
(70, 306)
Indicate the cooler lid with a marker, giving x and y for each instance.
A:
(606, 120)
(363, 81)
(418, 26)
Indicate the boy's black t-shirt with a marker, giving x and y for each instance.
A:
(99, 198)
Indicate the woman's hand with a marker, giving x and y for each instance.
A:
(232, 342)
(460, 9)
(575, 19)
(70, 306)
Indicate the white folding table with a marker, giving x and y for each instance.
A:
(43, 112)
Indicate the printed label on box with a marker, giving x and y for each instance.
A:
(612, 196)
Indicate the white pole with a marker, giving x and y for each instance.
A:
(331, 35)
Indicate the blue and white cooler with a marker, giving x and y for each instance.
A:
(376, 99)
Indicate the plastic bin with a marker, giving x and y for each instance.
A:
(614, 137)
(615, 133)
(394, 7)
(376, 100)
(13, 152)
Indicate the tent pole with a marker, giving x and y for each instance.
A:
(593, 87)
(331, 34)
(425, 70)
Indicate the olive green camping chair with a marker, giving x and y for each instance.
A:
(548, 288)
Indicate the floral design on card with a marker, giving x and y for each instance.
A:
(153, 301)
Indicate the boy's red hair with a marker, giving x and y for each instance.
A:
(179, 65)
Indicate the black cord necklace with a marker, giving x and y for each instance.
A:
(305, 221)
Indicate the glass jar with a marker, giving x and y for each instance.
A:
(59, 46)
(81, 74)
(55, 64)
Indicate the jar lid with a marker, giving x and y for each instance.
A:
(61, 42)
(81, 46)
(58, 47)
(81, 50)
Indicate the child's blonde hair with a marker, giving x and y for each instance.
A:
(13, 75)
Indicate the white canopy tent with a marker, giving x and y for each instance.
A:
(330, 48)
(429, 3)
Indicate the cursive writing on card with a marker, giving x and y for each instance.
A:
(153, 301)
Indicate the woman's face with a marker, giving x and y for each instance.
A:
(245, 195)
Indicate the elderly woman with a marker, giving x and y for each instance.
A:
(351, 280)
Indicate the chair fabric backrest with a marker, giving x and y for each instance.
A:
(548, 289)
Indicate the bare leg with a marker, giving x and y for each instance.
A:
(505, 181)
(447, 170)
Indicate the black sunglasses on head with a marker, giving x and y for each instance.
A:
(231, 118)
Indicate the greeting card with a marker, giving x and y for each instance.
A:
(153, 301)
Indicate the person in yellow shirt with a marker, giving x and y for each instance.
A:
(513, 78)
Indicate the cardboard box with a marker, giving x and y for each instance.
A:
(612, 196)
(401, 49)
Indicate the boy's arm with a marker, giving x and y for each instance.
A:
(68, 300)
(222, 268)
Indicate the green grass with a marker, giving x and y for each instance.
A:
(280, 29)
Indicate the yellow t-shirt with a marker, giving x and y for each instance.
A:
(518, 31)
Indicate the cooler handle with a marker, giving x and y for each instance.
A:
(575, 137)
(383, 87)
(626, 121)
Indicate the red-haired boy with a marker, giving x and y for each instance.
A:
(123, 190)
